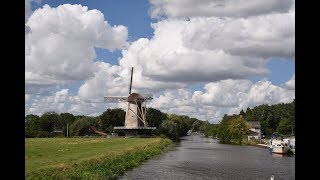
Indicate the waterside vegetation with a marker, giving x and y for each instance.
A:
(88, 158)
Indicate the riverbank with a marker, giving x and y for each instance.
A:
(79, 158)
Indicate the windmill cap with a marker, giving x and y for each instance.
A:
(135, 97)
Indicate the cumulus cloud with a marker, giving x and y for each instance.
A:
(291, 83)
(264, 92)
(27, 13)
(226, 93)
(168, 58)
(60, 46)
(266, 36)
(222, 97)
(105, 81)
(216, 99)
(219, 8)
(205, 49)
(199, 50)
(26, 97)
(40, 104)
(62, 101)
(27, 9)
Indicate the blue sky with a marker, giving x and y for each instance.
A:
(233, 61)
(280, 70)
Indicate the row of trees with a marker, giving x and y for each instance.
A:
(170, 125)
(274, 119)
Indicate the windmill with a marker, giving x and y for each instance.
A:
(135, 119)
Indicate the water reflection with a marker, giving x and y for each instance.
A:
(281, 155)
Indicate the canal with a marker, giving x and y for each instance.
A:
(197, 157)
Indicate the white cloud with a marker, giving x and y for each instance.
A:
(40, 104)
(106, 81)
(264, 92)
(27, 9)
(61, 96)
(265, 36)
(166, 57)
(291, 83)
(60, 47)
(219, 8)
(27, 14)
(181, 102)
(205, 49)
(222, 97)
(217, 98)
(26, 97)
(226, 93)
(62, 101)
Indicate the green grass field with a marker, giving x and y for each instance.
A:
(87, 158)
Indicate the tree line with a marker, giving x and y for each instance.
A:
(169, 125)
(278, 119)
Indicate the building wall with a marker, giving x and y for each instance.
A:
(256, 130)
(255, 137)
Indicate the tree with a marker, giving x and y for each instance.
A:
(32, 125)
(48, 120)
(249, 115)
(81, 127)
(170, 129)
(208, 129)
(242, 113)
(223, 130)
(237, 128)
(32, 122)
(112, 118)
(285, 127)
(155, 117)
(196, 126)
(182, 125)
(66, 118)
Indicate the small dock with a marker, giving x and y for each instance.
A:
(262, 145)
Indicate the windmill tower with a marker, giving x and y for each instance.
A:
(135, 119)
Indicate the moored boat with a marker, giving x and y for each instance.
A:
(278, 146)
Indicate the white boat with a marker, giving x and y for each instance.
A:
(279, 146)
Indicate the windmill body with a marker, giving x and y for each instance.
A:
(135, 114)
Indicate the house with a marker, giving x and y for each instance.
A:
(255, 130)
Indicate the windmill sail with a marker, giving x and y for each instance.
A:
(114, 99)
(130, 85)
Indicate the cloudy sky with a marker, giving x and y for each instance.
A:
(202, 58)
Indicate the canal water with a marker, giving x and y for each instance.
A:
(197, 157)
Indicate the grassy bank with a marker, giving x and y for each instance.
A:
(87, 158)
